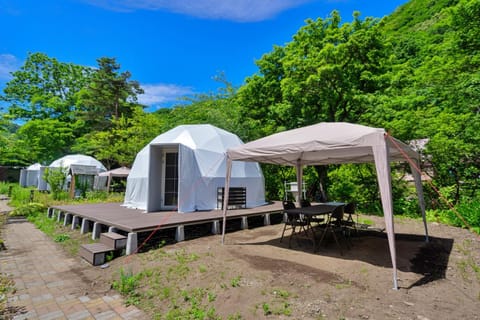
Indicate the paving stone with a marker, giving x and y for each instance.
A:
(46, 289)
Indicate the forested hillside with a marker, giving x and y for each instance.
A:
(415, 73)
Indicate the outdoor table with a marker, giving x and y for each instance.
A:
(312, 211)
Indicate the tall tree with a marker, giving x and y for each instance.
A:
(119, 144)
(326, 73)
(44, 88)
(109, 95)
(45, 140)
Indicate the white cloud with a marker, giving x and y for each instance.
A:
(236, 10)
(156, 94)
(8, 63)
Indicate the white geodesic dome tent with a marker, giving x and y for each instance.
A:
(183, 169)
(86, 167)
(77, 159)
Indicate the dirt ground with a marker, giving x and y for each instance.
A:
(437, 280)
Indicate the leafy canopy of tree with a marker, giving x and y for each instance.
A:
(108, 96)
(44, 88)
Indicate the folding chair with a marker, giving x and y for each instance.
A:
(335, 227)
(293, 221)
(349, 209)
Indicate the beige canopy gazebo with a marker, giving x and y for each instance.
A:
(121, 172)
(334, 143)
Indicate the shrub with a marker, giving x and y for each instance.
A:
(27, 209)
(469, 211)
(56, 178)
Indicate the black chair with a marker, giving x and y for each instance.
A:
(335, 226)
(349, 209)
(293, 221)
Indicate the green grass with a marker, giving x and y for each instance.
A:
(467, 264)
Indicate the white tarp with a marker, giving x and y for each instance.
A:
(29, 176)
(201, 170)
(32, 176)
(335, 143)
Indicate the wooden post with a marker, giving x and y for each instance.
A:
(72, 187)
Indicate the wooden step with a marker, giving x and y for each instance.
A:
(95, 253)
(113, 240)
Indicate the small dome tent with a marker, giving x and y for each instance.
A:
(30, 176)
(85, 167)
(78, 159)
(184, 168)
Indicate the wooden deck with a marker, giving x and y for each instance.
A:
(132, 220)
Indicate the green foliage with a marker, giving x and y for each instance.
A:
(28, 209)
(127, 283)
(56, 178)
(6, 286)
(109, 96)
(355, 183)
(44, 88)
(61, 238)
(235, 282)
(20, 196)
(45, 140)
(469, 212)
(5, 187)
(97, 195)
(82, 185)
(120, 143)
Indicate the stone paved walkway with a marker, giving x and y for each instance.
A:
(49, 283)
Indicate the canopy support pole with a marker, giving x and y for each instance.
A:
(421, 200)
(382, 165)
(226, 195)
(299, 181)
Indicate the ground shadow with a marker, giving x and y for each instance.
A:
(414, 254)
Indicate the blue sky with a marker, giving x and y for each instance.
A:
(172, 47)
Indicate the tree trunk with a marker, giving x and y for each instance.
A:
(322, 182)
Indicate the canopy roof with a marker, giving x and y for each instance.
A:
(334, 143)
(118, 172)
(322, 143)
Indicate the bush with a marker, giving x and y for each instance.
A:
(28, 209)
(56, 178)
(469, 211)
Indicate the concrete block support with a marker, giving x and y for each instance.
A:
(266, 219)
(132, 243)
(61, 214)
(112, 229)
(50, 212)
(244, 223)
(67, 220)
(75, 222)
(85, 226)
(180, 233)
(216, 227)
(97, 227)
